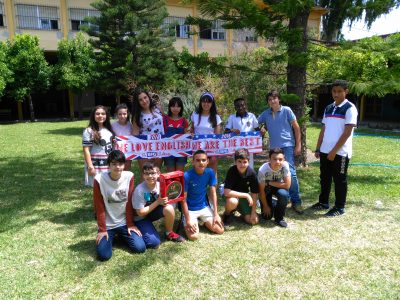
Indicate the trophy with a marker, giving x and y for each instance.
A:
(172, 186)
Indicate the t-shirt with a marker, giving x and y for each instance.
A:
(246, 183)
(266, 174)
(335, 118)
(172, 126)
(142, 196)
(247, 123)
(122, 129)
(151, 123)
(196, 187)
(98, 152)
(279, 126)
(205, 126)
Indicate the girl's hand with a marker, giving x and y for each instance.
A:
(91, 171)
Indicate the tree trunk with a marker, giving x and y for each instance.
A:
(296, 72)
(31, 111)
(80, 106)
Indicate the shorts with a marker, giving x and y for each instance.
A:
(243, 207)
(173, 161)
(205, 214)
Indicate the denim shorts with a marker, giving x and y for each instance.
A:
(172, 161)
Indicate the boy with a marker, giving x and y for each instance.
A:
(334, 148)
(242, 121)
(274, 179)
(150, 207)
(241, 189)
(111, 193)
(196, 204)
(284, 133)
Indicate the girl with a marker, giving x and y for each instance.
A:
(97, 142)
(123, 126)
(146, 119)
(174, 123)
(207, 121)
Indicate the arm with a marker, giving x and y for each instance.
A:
(234, 194)
(135, 128)
(100, 211)
(266, 209)
(297, 136)
(142, 212)
(88, 160)
(217, 129)
(348, 129)
(319, 141)
(212, 197)
(129, 211)
(185, 210)
(282, 185)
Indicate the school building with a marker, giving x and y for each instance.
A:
(54, 20)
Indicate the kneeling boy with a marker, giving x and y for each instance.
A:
(241, 189)
(274, 179)
(196, 206)
(150, 207)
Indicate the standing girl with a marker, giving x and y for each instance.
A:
(207, 121)
(123, 126)
(175, 123)
(147, 119)
(97, 142)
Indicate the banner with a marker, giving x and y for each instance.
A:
(183, 145)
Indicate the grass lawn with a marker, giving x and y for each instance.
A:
(47, 233)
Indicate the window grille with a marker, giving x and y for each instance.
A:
(77, 17)
(37, 17)
(178, 25)
(2, 17)
(215, 32)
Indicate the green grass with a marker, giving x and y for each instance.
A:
(47, 233)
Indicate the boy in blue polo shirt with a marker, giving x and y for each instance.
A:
(284, 133)
(334, 148)
(195, 205)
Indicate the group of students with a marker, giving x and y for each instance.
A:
(129, 212)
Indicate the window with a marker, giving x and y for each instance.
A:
(37, 17)
(216, 32)
(78, 15)
(1, 14)
(244, 35)
(178, 25)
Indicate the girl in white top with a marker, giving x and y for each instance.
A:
(147, 119)
(207, 121)
(123, 126)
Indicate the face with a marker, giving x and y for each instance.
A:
(122, 115)
(339, 93)
(151, 176)
(116, 169)
(200, 162)
(273, 102)
(240, 107)
(242, 165)
(175, 110)
(100, 116)
(144, 101)
(276, 161)
(206, 104)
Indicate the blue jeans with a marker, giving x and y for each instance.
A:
(149, 233)
(135, 242)
(278, 208)
(294, 187)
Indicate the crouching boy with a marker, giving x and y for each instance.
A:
(150, 207)
(241, 189)
(196, 206)
(274, 179)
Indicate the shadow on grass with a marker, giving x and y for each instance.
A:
(73, 131)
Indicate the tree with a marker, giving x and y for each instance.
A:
(76, 67)
(133, 46)
(6, 75)
(31, 70)
(341, 11)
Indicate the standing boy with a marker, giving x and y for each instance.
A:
(284, 133)
(241, 189)
(196, 206)
(242, 121)
(150, 207)
(334, 148)
(274, 179)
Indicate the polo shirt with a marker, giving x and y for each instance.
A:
(247, 123)
(241, 183)
(279, 126)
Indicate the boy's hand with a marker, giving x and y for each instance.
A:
(217, 220)
(100, 235)
(297, 150)
(162, 201)
(250, 200)
(134, 229)
(266, 212)
(253, 217)
(331, 156)
(190, 227)
(317, 154)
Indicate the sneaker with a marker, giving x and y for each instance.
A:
(174, 237)
(227, 219)
(298, 208)
(334, 212)
(282, 223)
(320, 206)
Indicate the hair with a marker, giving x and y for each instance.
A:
(274, 94)
(242, 154)
(122, 106)
(96, 136)
(116, 155)
(213, 110)
(239, 99)
(149, 166)
(172, 102)
(275, 151)
(137, 109)
(200, 151)
(341, 83)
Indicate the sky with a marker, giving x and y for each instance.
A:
(389, 23)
